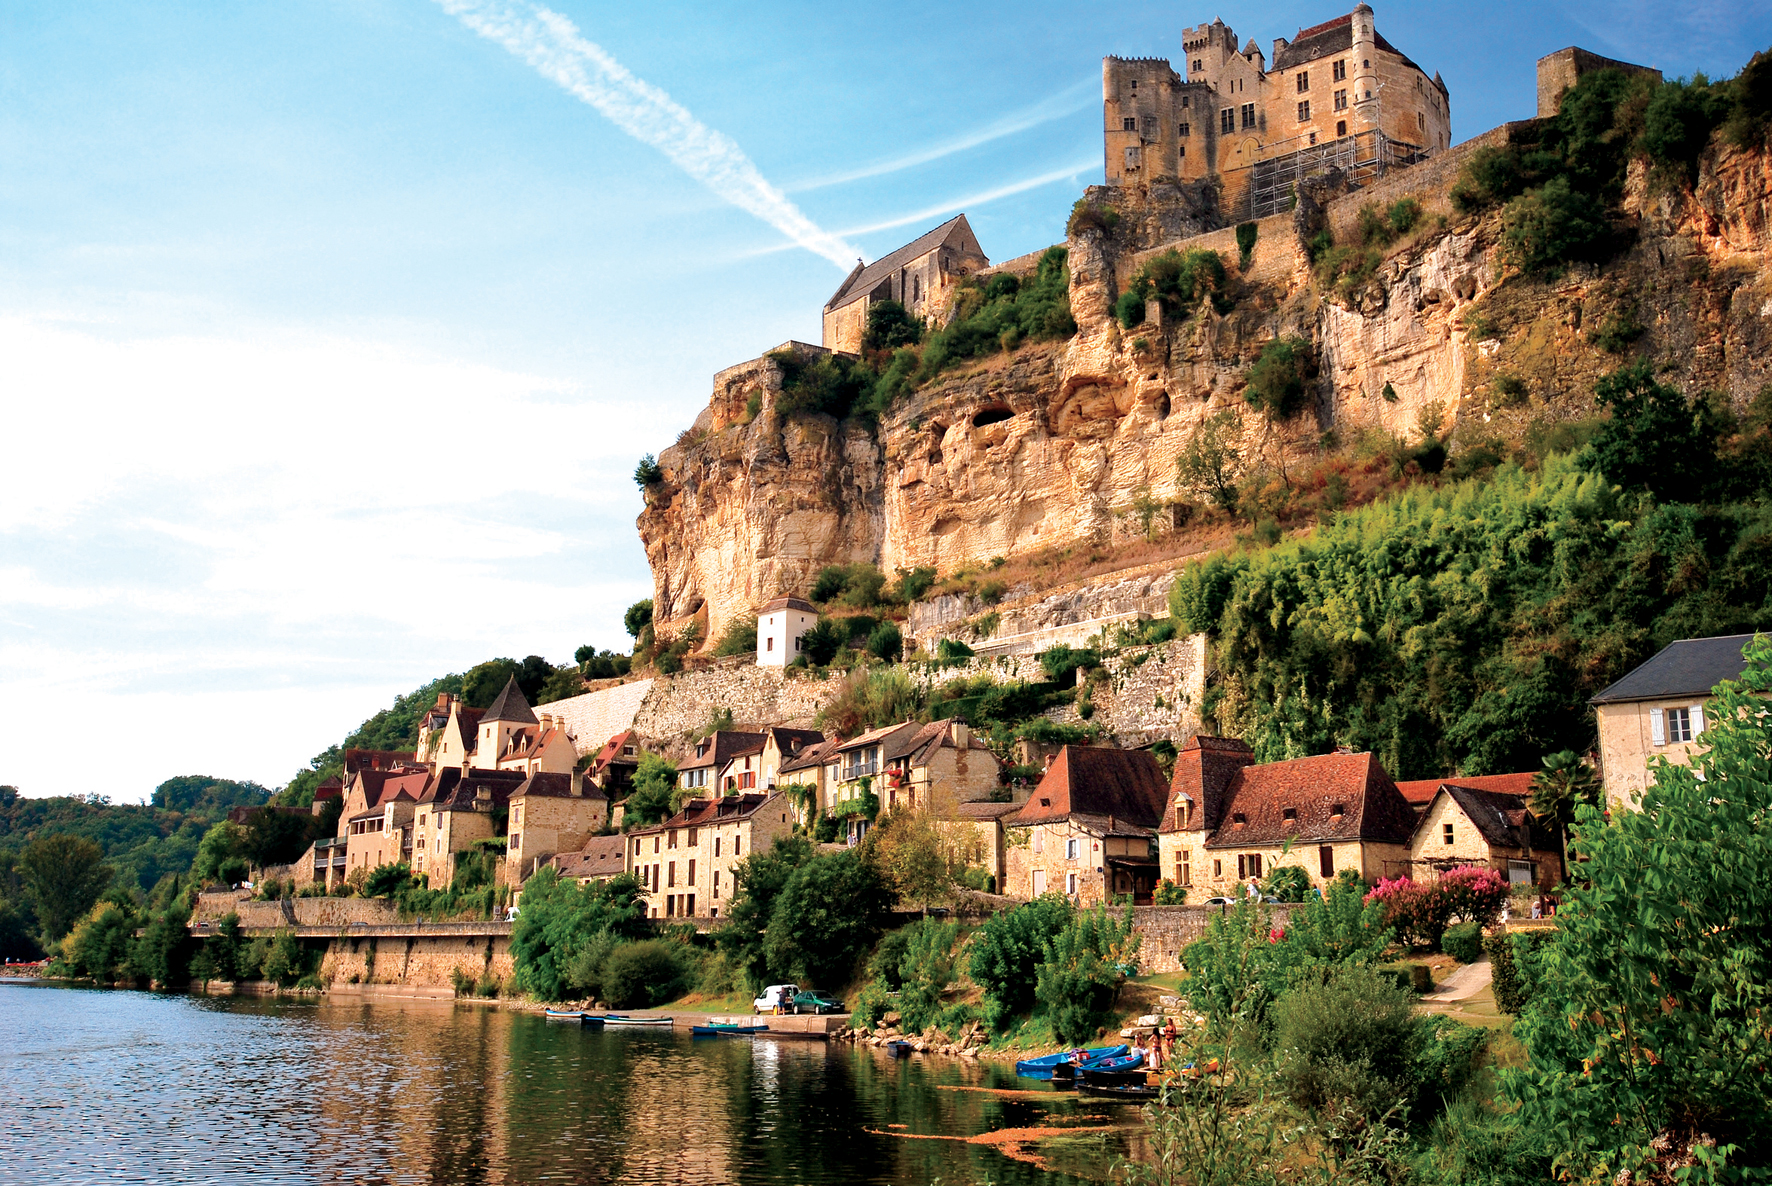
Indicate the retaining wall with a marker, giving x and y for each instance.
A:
(681, 704)
(328, 913)
(430, 961)
(1166, 930)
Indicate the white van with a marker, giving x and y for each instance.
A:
(777, 998)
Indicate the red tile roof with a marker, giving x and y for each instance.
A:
(1124, 785)
(1420, 792)
(1256, 807)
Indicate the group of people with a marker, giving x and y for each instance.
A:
(1158, 1048)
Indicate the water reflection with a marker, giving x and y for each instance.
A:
(132, 1087)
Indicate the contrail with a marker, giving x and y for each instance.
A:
(552, 45)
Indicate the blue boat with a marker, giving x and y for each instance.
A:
(1067, 1072)
(592, 1020)
(729, 1031)
(1042, 1067)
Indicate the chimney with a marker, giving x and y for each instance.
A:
(1204, 774)
(962, 735)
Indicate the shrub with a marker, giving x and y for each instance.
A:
(1276, 381)
(885, 642)
(872, 1003)
(883, 965)
(912, 583)
(821, 643)
(1348, 1044)
(951, 652)
(1513, 960)
(1246, 232)
(740, 638)
(1546, 228)
(1289, 883)
(1060, 662)
(1007, 952)
(1338, 927)
(1615, 334)
(1656, 439)
(1081, 972)
(926, 971)
(889, 326)
(1489, 177)
(643, 974)
(832, 579)
(1470, 893)
(1087, 217)
(648, 473)
(1463, 942)
(1038, 309)
(1180, 281)
(560, 919)
(1677, 125)
(1170, 894)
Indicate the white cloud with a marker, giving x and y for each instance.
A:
(551, 44)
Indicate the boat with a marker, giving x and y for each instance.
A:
(1125, 1093)
(901, 1049)
(1067, 1072)
(729, 1031)
(625, 1019)
(1102, 1077)
(573, 1015)
(1041, 1068)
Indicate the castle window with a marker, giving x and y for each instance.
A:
(1304, 111)
(1182, 151)
(1184, 100)
(1184, 131)
(1227, 120)
(1421, 120)
(1199, 65)
(1248, 116)
(1341, 127)
(1129, 124)
(1341, 100)
(1313, 138)
(1338, 72)
(1304, 81)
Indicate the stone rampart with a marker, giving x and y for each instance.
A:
(429, 961)
(681, 704)
(1272, 262)
(1165, 930)
(329, 913)
(593, 718)
(1429, 183)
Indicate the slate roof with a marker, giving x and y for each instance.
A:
(723, 747)
(1096, 783)
(451, 790)
(864, 280)
(510, 706)
(984, 809)
(1421, 791)
(1502, 819)
(786, 739)
(798, 603)
(1327, 39)
(701, 813)
(1254, 812)
(1690, 667)
(548, 785)
(377, 759)
(602, 856)
(812, 755)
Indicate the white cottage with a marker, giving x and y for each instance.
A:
(780, 626)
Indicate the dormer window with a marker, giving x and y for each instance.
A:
(1238, 819)
(1336, 811)
(1289, 814)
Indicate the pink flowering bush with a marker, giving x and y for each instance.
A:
(1470, 893)
(1421, 913)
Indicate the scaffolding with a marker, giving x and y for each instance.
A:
(1362, 157)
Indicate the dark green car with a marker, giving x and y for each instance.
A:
(817, 1002)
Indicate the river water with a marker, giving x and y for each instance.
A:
(122, 1087)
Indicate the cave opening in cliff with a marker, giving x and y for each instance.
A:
(994, 415)
(937, 432)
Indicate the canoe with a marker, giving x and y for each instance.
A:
(901, 1049)
(624, 1019)
(1103, 1078)
(1041, 1068)
(730, 1031)
(573, 1015)
(1066, 1072)
(1125, 1093)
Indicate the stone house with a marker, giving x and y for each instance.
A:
(685, 863)
(601, 858)
(1657, 710)
(907, 767)
(458, 809)
(704, 769)
(1464, 825)
(376, 820)
(781, 624)
(551, 813)
(448, 732)
(804, 776)
(1229, 819)
(921, 275)
(1088, 831)
(1421, 791)
(612, 767)
(1336, 95)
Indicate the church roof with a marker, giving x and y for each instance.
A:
(955, 232)
(510, 706)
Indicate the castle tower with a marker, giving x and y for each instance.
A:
(1365, 70)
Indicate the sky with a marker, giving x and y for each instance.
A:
(331, 331)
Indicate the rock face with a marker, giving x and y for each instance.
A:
(1075, 443)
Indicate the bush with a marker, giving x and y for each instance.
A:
(885, 642)
(926, 971)
(648, 473)
(1180, 281)
(1170, 894)
(1513, 960)
(1038, 309)
(1246, 232)
(1615, 334)
(1463, 942)
(1546, 228)
(884, 964)
(1338, 927)
(1289, 883)
(1238, 967)
(1060, 662)
(740, 638)
(643, 974)
(1087, 217)
(1656, 439)
(1276, 381)
(1081, 971)
(951, 652)
(1007, 952)
(890, 326)
(1348, 1045)
(558, 922)
(821, 643)
(912, 583)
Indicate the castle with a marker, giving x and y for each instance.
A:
(1336, 96)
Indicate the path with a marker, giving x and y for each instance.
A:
(1465, 983)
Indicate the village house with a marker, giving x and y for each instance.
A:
(921, 276)
(1229, 820)
(1466, 825)
(685, 863)
(718, 755)
(904, 767)
(376, 821)
(1657, 710)
(804, 776)
(1088, 831)
(612, 767)
(601, 858)
(447, 733)
(550, 813)
(781, 624)
(459, 808)
(1421, 791)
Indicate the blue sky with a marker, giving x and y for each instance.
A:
(330, 332)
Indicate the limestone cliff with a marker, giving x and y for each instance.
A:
(1052, 444)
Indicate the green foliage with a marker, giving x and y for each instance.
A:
(826, 918)
(1289, 883)
(1060, 662)
(869, 699)
(1086, 216)
(559, 920)
(951, 652)
(1008, 950)
(1081, 971)
(1277, 380)
(98, 945)
(926, 971)
(63, 876)
(592, 664)
(1210, 465)
(1180, 281)
(740, 638)
(648, 473)
(654, 795)
(890, 326)
(1465, 628)
(758, 880)
(1615, 334)
(1246, 232)
(1236, 970)
(821, 643)
(1170, 894)
(984, 324)
(1463, 942)
(1646, 1028)
(638, 617)
(643, 974)
(1656, 440)
(885, 964)
(200, 794)
(1548, 227)
(1348, 1044)
(1678, 122)
(1339, 927)
(885, 642)
(912, 583)
(1514, 960)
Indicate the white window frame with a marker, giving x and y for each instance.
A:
(1070, 849)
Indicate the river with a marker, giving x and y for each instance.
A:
(122, 1087)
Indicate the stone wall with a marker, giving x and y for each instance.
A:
(681, 704)
(1273, 261)
(294, 912)
(593, 718)
(417, 962)
(1166, 930)
(1117, 598)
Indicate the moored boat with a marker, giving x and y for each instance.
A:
(573, 1015)
(1042, 1067)
(1068, 1072)
(729, 1031)
(625, 1019)
(901, 1049)
(1126, 1093)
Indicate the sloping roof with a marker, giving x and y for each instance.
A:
(510, 706)
(1126, 785)
(1690, 667)
(983, 809)
(812, 755)
(1202, 759)
(798, 603)
(377, 759)
(721, 747)
(890, 738)
(1421, 791)
(602, 856)
(451, 790)
(787, 738)
(1260, 796)
(547, 785)
(1503, 820)
(860, 284)
(1331, 37)
(700, 813)
(611, 755)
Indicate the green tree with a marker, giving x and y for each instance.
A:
(1210, 464)
(758, 881)
(63, 877)
(99, 944)
(277, 837)
(221, 843)
(1564, 783)
(648, 473)
(387, 880)
(885, 642)
(910, 850)
(640, 975)
(826, 918)
(559, 920)
(1646, 1035)
(638, 617)
(821, 643)
(210, 797)
(890, 326)
(1338, 927)
(162, 950)
(1277, 381)
(1657, 440)
(1007, 953)
(655, 793)
(1289, 883)
(1081, 971)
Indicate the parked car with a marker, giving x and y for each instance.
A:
(777, 998)
(1219, 902)
(814, 1002)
